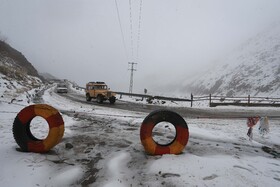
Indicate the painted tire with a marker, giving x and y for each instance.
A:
(174, 147)
(23, 136)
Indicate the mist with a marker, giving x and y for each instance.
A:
(85, 40)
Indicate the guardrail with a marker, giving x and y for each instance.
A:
(214, 100)
(153, 97)
(148, 96)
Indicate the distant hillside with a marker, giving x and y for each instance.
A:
(48, 76)
(17, 75)
(11, 57)
(253, 69)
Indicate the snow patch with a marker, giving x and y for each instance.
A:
(117, 169)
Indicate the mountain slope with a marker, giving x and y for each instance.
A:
(252, 69)
(14, 57)
(17, 75)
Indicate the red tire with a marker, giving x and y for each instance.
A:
(174, 147)
(23, 136)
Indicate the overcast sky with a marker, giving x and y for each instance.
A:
(81, 40)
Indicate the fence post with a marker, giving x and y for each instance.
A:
(191, 99)
(210, 100)
(248, 99)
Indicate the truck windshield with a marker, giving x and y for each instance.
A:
(101, 87)
(62, 85)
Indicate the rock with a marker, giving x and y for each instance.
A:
(68, 146)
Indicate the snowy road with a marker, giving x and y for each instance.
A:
(108, 138)
(101, 147)
(218, 112)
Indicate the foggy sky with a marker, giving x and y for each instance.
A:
(81, 40)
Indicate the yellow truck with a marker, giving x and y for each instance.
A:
(100, 92)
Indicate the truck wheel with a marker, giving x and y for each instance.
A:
(88, 98)
(99, 99)
(112, 100)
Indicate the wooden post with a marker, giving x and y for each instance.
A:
(191, 99)
(210, 100)
(248, 99)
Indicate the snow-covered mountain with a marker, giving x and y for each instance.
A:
(9, 55)
(17, 75)
(253, 69)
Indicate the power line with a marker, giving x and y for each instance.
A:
(139, 29)
(116, 3)
(131, 29)
(132, 69)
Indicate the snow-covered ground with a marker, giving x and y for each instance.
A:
(107, 151)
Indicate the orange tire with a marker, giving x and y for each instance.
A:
(24, 137)
(174, 147)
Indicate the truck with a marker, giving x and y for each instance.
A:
(61, 88)
(99, 91)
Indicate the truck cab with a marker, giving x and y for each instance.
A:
(99, 91)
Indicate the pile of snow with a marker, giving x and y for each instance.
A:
(20, 91)
(146, 101)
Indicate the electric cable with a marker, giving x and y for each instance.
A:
(119, 19)
(131, 29)
(139, 30)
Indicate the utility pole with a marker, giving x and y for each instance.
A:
(132, 69)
